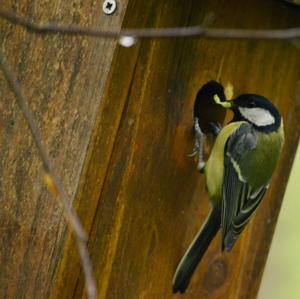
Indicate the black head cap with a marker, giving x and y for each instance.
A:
(257, 110)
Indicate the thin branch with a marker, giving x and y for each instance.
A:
(193, 31)
(53, 183)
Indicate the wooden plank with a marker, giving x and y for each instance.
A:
(139, 196)
(62, 79)
(152, 200)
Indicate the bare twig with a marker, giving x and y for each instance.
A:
(194, 31)
(53, 183)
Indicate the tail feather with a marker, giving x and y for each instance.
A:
(193, 255)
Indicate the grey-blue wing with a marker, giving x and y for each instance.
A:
(239, 201)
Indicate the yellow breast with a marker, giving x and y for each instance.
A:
(214, 168)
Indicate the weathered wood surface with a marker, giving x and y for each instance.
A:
(62, 79)
(136, 191)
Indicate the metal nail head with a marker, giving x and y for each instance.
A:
(109, 6)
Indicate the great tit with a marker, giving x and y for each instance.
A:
(238, 172)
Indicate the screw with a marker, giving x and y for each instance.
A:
(109, 7)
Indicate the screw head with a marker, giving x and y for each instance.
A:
(109, 6)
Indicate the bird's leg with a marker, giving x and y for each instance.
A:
(198, 147)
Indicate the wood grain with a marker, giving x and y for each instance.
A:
(62, 79)
(122, 149)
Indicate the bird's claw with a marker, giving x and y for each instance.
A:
(193, 154)
(198, 147)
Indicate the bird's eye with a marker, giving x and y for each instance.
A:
(251, 104)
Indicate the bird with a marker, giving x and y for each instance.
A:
(238, 172)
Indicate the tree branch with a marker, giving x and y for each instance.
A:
(193, 31)
(53, 183)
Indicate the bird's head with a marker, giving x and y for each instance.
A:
(255, 109)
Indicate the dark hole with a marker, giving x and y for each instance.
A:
(206, 109)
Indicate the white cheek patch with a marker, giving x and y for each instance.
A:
(257, 116)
